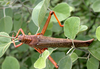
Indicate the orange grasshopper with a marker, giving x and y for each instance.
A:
(40, 42)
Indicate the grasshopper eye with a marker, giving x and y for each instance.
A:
(19, 40)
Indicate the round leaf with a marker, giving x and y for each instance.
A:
(1, 13)
(51, 50)
(39, 12)
(34, 57)
(6, 24)
(92, 63)
(41, 62)
(48, 33)
(17, 22)
(98, 33)
(45, 54)
(74, 57)
(65, 63)
(9, 12)
(10, 63)
(4, 43)
(62, 11)
(96, 6)
(71, 27)
(83, 28)
(94, 49)
(57, 56)
(32, 27)
(56, 28)
(23, 47)
(74, 2)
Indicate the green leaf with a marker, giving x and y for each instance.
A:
(96, 6)
(94, 49)
(34, 57)
(48, 33)
(48, 66)
(92, 63)
(32, 27)
(1, 13)
(74, 2)
(57, 56)
(62, 11)
(39, 12)
(23, 67)
(56, 28)
(50, 26)
(17, 22)
(45, 54)
(4, 43)
(32, 1)
(74, 57)
(98, 33)
(41, 62)
(72, 8)
(83, 28)
(6, 24)
(24, 26)
(92, 1)
(9, 12)
(23, 47)
(51, 50)
(65, 62)
(3, 3)
(10, 63)
(32, 67)
(71, 27)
